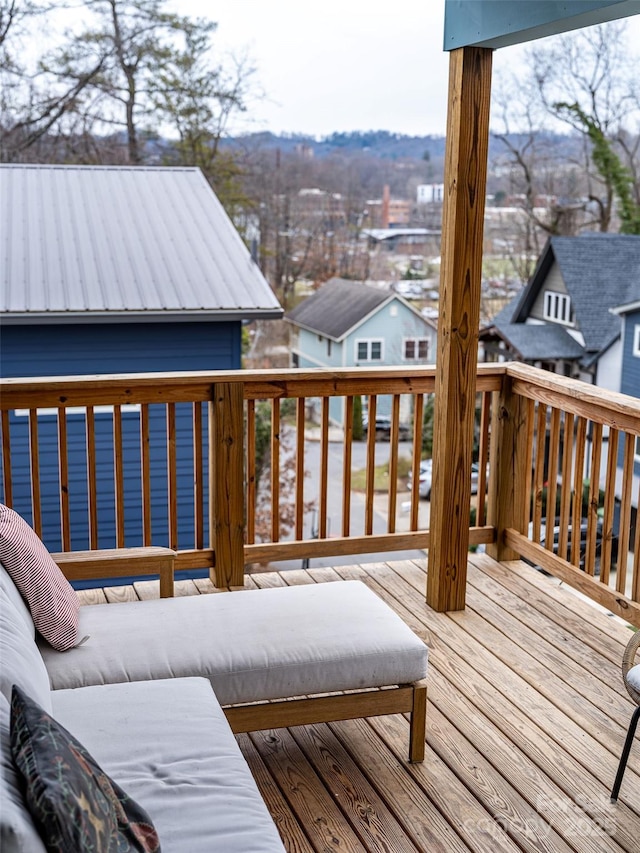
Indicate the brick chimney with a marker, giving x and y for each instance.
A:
(385, 207)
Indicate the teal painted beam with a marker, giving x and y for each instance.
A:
(499, 23)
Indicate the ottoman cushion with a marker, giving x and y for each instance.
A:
(252, 645)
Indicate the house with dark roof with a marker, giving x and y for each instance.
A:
(629, 315)
(630, 376)
(350, 324)
(562, 319)
(118, 270)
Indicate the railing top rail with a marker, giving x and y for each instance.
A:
(609, 408)
(116, 389)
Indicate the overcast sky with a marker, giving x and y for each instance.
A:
(339, 65)
(342, 65)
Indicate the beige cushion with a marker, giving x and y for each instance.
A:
(252, 645)
(168, 744)
(633, 677)
(20, 659)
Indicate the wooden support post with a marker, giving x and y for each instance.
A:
(461, 271)
(510, 482)
(226, 492)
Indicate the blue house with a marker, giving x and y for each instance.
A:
(349, 324)
(630, 374)
(116, 270)
(562, 319)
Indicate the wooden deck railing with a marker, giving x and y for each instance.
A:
(565, 489)
(119, 461)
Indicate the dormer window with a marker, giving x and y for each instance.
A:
(557, 307)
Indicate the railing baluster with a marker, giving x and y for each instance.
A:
(7, 478)
(625, 512)
(63, 479)
(578, 479)
(538, 478)
(172, 476)
(34, 462)
(145, 473)
(483, 457)
(275, 470)
(198, 476)
(92, 485)
(418, 416)
(594, 498)
(565, 500)
(393, 464)
(118, 475)
(607, 518)
(346, 466)
(299, 498)
(552, 477)
(324, 468)
(528, 407)
(251, 471)
(371, 464)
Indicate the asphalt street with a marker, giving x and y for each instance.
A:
(334, 504)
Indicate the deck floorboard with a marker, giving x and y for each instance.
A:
(526, 719)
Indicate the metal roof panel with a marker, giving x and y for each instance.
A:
(111, 240)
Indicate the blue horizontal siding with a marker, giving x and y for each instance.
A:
(68, 349)
(77, 350)
(630, 380)
(77, 484)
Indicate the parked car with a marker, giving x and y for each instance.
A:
(424, 479)
(583, 542)
(475, 471)
(424, 489)
(383, 428)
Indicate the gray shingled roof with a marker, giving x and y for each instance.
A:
(119, 243)
(600, 272)
(537, 343)
(336, 307)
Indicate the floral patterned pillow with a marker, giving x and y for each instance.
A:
(76, 807)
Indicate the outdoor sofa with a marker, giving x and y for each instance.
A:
(133, 683)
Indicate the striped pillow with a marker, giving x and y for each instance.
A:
(51, 599)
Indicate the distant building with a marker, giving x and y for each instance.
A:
(388, 212)
(430, 194)
(349, 324)
(403, 240)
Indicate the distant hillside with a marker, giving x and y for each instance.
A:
(385, 145)
(376, 143)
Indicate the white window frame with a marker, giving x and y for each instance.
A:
(557, 307)
(636, 340)
(416, 342)
(369, 344)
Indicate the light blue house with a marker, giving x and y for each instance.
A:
(349, 324)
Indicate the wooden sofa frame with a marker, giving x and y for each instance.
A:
(372, 702)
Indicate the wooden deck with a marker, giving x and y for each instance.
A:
(525, 724)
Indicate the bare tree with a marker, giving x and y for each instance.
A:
(30, 106)
(593, 71)
(124, 70)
